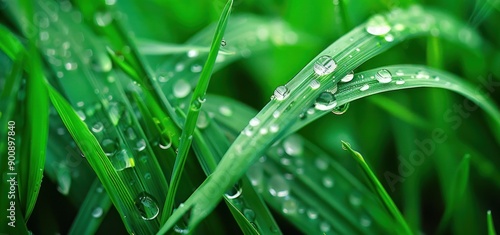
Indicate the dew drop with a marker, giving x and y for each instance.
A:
(389, 38)
(364, 87)
(235, 191)
(324, 227)
(97, 212)
(314, 84)
(249, 214)
(328, 182)
(281, 93)
(181, 88)
(321, 164)
(274, 128)
(226, 111)
(289, 206)
(325, 101)
(348, 77)
(312, 214)
(355, 199)
(147, 206)
(103, 18)
(203, 120)
(293, 145)
(147, 176)
(116, 112)
(384, 76)
(81, 115)
(365, 221)
(70, 66)
(340, 109)
(97, 127)
(255, 173)
(400, 81)
(400, 73)
(377, 25)
(422, 75)
(196, 68)
(192, 53)
(164, 142)
(254, 122)
(278, 186)
(109, 147)
(223, 43)
(122, 160)
(324, 65)
(140, 145)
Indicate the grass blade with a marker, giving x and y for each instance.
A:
(196, 101)
(377, 186)
(491, 226)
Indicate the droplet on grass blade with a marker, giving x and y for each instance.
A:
(348, 77)
(97, 212)
(278, 186)
(377, 25)
(181, 88)
(289, 206)
(324, 65)
(325, 101)
(122, 160)
(293, 145)
(340, 109)
(384, 76)
(281, 93)
(147, 206)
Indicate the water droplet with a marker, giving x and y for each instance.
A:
(324, 65)
(109, 147)
(281, 93)
(110, 2)
(97, 127)
(203, 120)
(389, 38)
(147, 206)
(328, 182)
(422, 75)
(70, 66)
(140, 145)
(249, 214)
(324, 227)
(325, 101)
(384, 76)
(289, 206)
(340, 109)
(44, 35)
(256, 173)
(321, 164)
(254, 122)
(226, 111)
(293, 145)
(276, 114)
(122, 160)
(181, 88)
(312, 214)
(97, 212)
(103, 18)
(81, 115)
(355, 199)
(235, 191)
(400, 73)
(348, 77)
(223, 43)
(400, 81)
(164, 142)
(192, 53)
(147, 176)
(274, 128)
(364, 87)
(196, 68)
(365, 221)
(333, 89)
(314, 84)
(377, 25)
(278, 186)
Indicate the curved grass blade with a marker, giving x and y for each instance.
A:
(196, 101)
(491, 227)
(377, 186)
(367, 40)
(456, 192)
(92, 212)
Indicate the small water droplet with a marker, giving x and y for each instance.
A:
(321, 164)
(324, 65)
(289, 206)
(256, 173)
(377, 25)
(364, 87)
(389, 38)
(147, 176)
(281, 93)
(293, 145)
(181, 88)
(147, 206)
(249, 214)
(276, 114)
(164, 142)
(109, 147)
(122, 160)
(384, 76)
(340, 109)
(97, 212)
(400, 81)
(97, 127)
(103, 18)
(192, 53)
(235, 191)
(81, 115)
(314, 84)
(355, 199)
(324, 227)
(348, 77)
(312, 214)
(328, 182)
(274, 128)
(70, 66)
(203, 120)
(254, 121)
(422, 75)
(140, 145)
(325, 101)
(365, 221)
(196, 68)
(223, 43)
(278, 186)
(226, 111)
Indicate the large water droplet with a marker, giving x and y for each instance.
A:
(249, 214)
(324, 65)
(384, 76)
(325, 101)
(348, 77)
(122, 160)
(203, 120)
(281, 93)
(116, 112)
(181, 88)
(235, 191)
(109, 147)
(377, 25)
(293, 145)
(97, 212)
(147, 206)
(278, 186)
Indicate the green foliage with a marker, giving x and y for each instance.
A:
(131, 142)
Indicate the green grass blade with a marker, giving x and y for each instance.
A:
(491, 226)
(92, 212)
(400, 111)
(381, 192)
(456, 192)
(196, 102)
